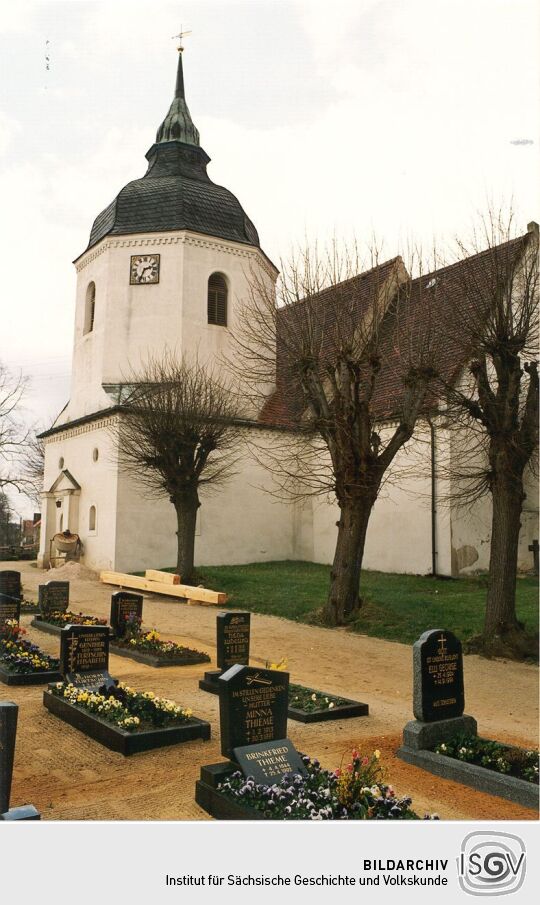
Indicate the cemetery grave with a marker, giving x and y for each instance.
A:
(265, 778)
(306, 705)
(444, 741)
(53, 603)
(130, 640)
(121, 718)
(21, 662)
(309, 706)
(9, 712)
(68, 779)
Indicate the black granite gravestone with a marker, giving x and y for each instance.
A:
(124, 606)
(438, 692)
(8, 732)
(253, 706)
(233, 630)
(10, 596)
(270, 762)
(84, 655)
(53, 597)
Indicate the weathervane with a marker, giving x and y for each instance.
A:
(180, 35)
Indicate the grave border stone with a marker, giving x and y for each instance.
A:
(420, 736)
(120, 740)
(187, 658)
(111, 736)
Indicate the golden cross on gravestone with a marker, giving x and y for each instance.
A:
(73, 645)
(442, 642)
(181, 34)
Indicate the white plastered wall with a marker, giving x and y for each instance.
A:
(98, 487)
(399, 532)
(133, 321)
(237, 523)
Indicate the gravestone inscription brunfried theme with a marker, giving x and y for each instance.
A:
(270, 762)
(10, 597)
(233, 632)
(53, 597)
(438, 692)
(253, 706)
(84, 655)
(124, 606)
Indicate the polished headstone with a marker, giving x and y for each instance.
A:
(125, 606)
(53, 597)
(233, 632)
(253, 706)
(10, 596)
(438, 692)
(8, 732)
(269, 762)
(84, 655)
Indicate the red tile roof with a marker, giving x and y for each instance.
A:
(418, 321)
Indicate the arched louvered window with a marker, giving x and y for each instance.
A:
(217, 300)
(89, 308)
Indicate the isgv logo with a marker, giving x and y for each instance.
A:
(491, 864)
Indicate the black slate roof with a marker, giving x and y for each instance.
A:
(175, 193)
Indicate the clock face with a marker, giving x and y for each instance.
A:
(144, 269)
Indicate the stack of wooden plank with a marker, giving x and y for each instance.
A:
(157, 582)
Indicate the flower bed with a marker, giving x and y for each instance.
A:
(147, 647)
(356, 792)
(23, 663)
(29, 606)
(54, 622)
(310, 706)
(115, 715)
(509, 760)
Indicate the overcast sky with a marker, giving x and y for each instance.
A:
(399, 118)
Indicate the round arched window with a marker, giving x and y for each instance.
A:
(61, 462)
(217, 300)
(89, 308)
(92, 518)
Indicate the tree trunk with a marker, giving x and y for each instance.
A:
(343, 599)
(186, 506)
(507, 496)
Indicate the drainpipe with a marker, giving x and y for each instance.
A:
(433, 502)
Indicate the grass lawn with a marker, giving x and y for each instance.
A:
(397, 607)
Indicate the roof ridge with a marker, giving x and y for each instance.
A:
(478, 254)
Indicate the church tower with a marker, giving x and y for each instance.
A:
(167, 264)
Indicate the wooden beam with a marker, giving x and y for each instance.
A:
(197, 595)
(163, 577)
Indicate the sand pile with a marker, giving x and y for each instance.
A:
(72, 571)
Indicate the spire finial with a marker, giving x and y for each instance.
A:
(178, 125)
(181, 34)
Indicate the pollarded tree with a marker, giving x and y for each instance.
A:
(491, 307)
(177, 434)
(351, 363)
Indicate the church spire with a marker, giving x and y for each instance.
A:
(178, 125)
